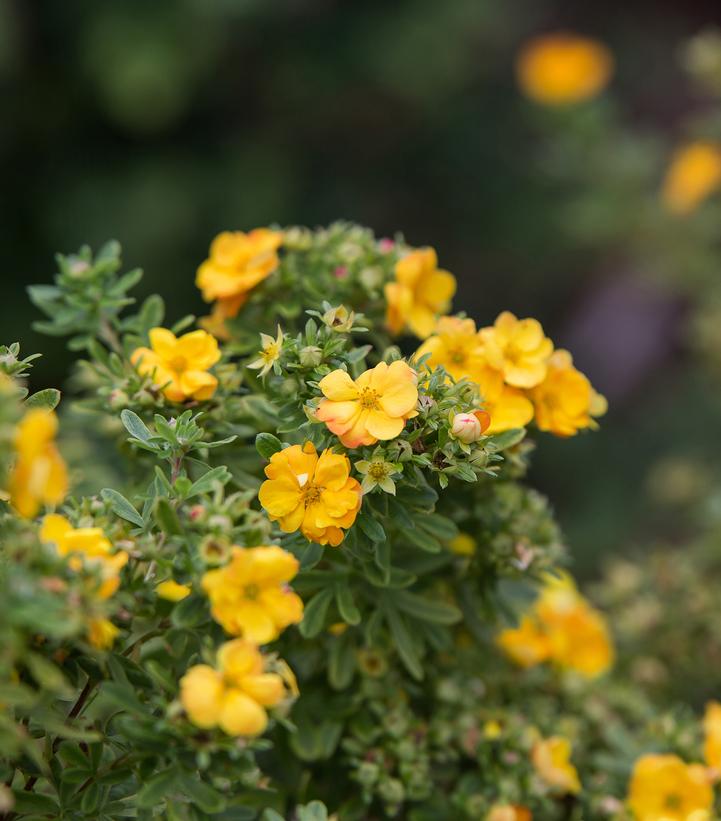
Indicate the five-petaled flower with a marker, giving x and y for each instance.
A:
(551, 759)
(236, 696)
(421, 291)
(179, 365)
(517, 348)
(375, 406)
(250, 597)
(311, 493)
(269, 353)
(665, 788)
(39, 475)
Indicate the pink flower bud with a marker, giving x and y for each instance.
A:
(468, 427)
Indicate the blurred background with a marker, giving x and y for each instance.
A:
(162, 123)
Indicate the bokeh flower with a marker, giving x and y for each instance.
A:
(664, 788)
(562, 68)
(420, 293)
(235, 696)
(179, 365)
(712, 737)
(375, 406)
(39, 475)
(527, 645)
(311, 493)
(170, 590)
(250, 597)
(551, 758)
(565, 402)
(102, 633)
(508, 812)
(463, 544)
(693, 175)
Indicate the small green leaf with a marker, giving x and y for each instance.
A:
(371, 527)
(123, 696)
(315, 613)
(48, 398)
(346, 605)
(423, 540)
(266, 444)
(202, 794)
(501, 441)
(121, 506)
(425, 609)
(167, 518)
(135, 425)
(404, 643)
(190, 612)
(156, 788)
(205, 483)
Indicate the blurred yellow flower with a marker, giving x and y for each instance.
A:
(527, 644)
(565, 402)
(170, 590)
(179, 365)
(269, 353)
(39, 475)
(712, 737)
(463, 544)
(551, 758)
(693, 175)
(102, 633)
(563, 68)
(421, 291)
(517, 348)
(237, 263)
(235, 696)
(507, 407)
(509, 812)
(374, 406)
(311, 493)
(250, 596)
(664, 788)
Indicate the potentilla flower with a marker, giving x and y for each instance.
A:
(693, 175)
(179, 365)
(170, 590)
(518, 349)
(237, 263)
(250, 597)
(562, 69)
(102, 633)
(39, 475)
(565, 402)
(509, 812)
(712, 737)
(375, 406)
(269, 354)
(339, 319)
(664, 788)
(378, 472)
(311, 493)
(420, 293)
(469, 427)
(551, 759)
(235, 696)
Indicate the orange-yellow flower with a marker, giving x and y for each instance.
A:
(421, 291)
(170, 590)
(102, 633)
(565, 402)
(551, 759)
(508, 812)
(235, 696)
(179, 365)
(250, 596)
(517, 348)
(237, 263)
(527, 645)
(311, 493)
(374, 406)
(693, 175)
(39, 475)
(561, 69)
(664, 788)
(712, 737)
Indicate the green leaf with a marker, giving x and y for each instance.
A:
(205, 483)
(371, 527)
(123, 696)
(315, 811)
(346, 605)
(315, 613)
(48, 398)
(202, 794)
(439, 526)
(423, 540)
(507, 439)
(266, 444)
(30, 802)
(156, 788)
(382, 559)
(135, 425)
(404, 643)
(311, 555)
(121, 506)
(190, 612)
(425, 609)
(167, 518)
(341, 663)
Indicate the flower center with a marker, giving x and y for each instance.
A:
(250, 591)
(378, 470)
(311, 494)
(178, 363)
(672, 802)
(270, 354)
(457, 356)
(368, 399)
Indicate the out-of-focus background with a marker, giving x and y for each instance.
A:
(162, 123)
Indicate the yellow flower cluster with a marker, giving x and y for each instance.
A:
(39, 475)
(235, 696)
(518, 372)
(563, 628)
(311, 493)
(179, 365)
(88, 548)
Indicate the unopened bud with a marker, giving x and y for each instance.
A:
(467, 427)
(311, 356)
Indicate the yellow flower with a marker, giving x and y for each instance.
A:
(518, 349)
(508, 408)
(311, 493)
(237, 263)
(269, 354)
(693, 175)
(249, 597)
(526, 645)
(85, 547)
(179, 365)
(374, 406)
(551, 759)
(561, 69)
(170, 590)
(565, 402)
(664, 788)
(509, 812)
(102, 633)
(235, 696)
(420, 293)
(463, 544)
(712, 736)
(39, 475)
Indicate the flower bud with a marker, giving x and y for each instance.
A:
(466, 427)
(311, 356)
(339, 319)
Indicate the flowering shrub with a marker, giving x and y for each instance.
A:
(321, 577)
